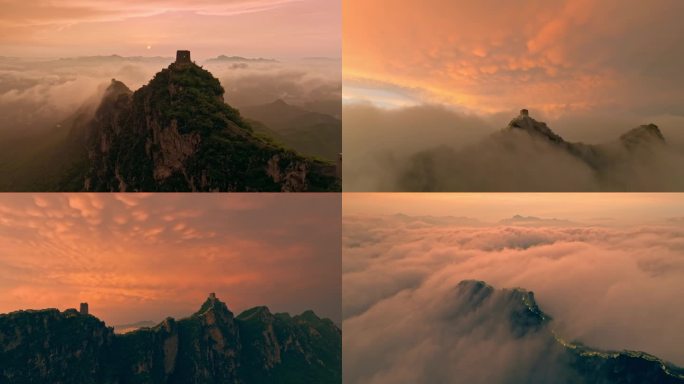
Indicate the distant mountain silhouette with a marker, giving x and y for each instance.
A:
(125, 328)
(532, 220)
(240, 59)
(311, 133)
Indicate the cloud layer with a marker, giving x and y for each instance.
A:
(435, 148)
(611, 287)
(35, 95)
(145, 257)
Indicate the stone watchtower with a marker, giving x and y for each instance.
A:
(183, 58)
(212, 296)
(524, 112)
(84, 309)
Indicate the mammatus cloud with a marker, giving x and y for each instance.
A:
(557, 57)
(609, 287)
(592, 70)
(145, 257)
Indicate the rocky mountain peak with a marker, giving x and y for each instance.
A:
(117, 87)
(213, 304)
(515, 306)
(643, 134)
(536, 128)
(116, 95)
(176, 133)
(310, 316)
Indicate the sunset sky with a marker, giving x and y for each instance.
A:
(142, 257)
(588, 208)
(553, 57)
(262, 28)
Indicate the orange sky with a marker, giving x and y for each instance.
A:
(489, 56)
(137, 257)
(588, 208)
(271, 28)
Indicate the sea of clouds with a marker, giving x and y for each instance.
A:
(37, 94)
(610, 287)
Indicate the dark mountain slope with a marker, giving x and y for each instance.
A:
(53, 160)
(475, 301)
(211, 346)
(311, 133)
(177, 134)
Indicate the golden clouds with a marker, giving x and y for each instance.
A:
(553, 56)
(103, 27)
(136, 258)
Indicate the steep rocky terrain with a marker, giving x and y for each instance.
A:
(48, 346)
(567, 362)
(211, 346)
(177, 134)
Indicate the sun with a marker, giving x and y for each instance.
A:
(149, 47)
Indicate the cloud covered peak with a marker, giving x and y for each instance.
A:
(643, 134)
(515, 307)
(526, 123)
(481, 335)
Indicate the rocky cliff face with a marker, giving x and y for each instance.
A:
(211, 346)
(177, 134)
(571, 362)
(57, 347)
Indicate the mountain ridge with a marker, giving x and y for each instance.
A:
(528, 156)
(177, 134)
(211, 345)
(519, 309)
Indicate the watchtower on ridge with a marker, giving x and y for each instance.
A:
(183, 57)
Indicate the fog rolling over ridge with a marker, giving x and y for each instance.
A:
(42, 100)
(600, 284)
(433, 148)
(420, 107)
